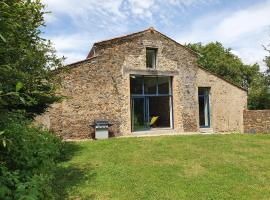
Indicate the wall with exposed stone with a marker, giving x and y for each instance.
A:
(90, 93)
(99, 88)
(172, 60)
(227, 102)
(257, 121)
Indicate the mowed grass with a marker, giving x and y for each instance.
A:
(170, 167)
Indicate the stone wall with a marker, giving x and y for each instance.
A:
(172, 60)
(99, 88)
(90, 93)
(227, 102)
(257, 121)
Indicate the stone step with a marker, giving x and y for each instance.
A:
(206, 130)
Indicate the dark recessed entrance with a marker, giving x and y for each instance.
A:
(204, 107)
(151, 102)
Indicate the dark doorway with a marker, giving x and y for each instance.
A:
(160, 106)
(204, 107)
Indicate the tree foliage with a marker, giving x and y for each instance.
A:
(267, 63)
(26, 59)
(28, 155)
(28, 158)
(258, 94)
(222, 61)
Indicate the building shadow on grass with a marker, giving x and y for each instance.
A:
(67, 176)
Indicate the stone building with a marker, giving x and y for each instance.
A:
(148, 82)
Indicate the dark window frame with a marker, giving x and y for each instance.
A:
(156, 85)
(153, 65)
(144, 95)
(206, 95)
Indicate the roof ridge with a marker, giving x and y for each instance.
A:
(152, 29)
(126, 35)
(187, 48)
(80, 61)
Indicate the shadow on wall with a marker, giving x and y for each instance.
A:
(69, 176)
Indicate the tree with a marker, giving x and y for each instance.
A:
(222, 61)
(267, 62)
(259, 95)
(26, 59)
(28, 155)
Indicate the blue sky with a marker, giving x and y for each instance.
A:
(243, 25)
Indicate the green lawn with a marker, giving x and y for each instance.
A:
(173, 167)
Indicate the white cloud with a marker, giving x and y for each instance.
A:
(116, 10)
(188, 2)
(70, 42)
(94, 20)
(81, 7)
(89, 14)
(243, 30)
(71, 57)
(140, 8)
(73, 47)
(50, 18)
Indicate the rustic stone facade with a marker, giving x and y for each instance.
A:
(257, 121)
(99, 87)
(227, 102)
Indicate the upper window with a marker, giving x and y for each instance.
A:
(150, 85)
(151, 57)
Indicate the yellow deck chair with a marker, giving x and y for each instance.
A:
(153, 120)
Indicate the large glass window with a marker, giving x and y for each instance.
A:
(159, 106)
(151, 102)
(136, 83)
(163, 85)
(150, 85)
(139, 121)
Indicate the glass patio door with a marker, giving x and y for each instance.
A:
(151, 102)
(204, 105)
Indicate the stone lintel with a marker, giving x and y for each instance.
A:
(151, 72)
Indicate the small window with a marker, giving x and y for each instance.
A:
(151, 56)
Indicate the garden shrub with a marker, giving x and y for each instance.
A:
(28, 157)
